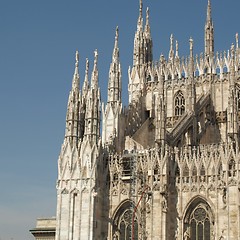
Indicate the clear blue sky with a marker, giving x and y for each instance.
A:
(38, 40)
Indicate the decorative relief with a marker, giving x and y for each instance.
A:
(211, 188)
(185, 188)
(114, 192)
(85, 190)
(65, 191)
(232, 182)
(221, 117)
(202, 188)
(194, 189)
(124, 191)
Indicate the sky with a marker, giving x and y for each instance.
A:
(38, 40)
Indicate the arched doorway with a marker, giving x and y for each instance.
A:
(198, 221)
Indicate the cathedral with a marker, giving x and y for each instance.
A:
(166, 166)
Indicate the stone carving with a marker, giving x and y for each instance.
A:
(186, 235)
(182, 112)
(65, 191)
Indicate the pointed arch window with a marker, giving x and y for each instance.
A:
(198, 222)
(123, 225)
(179, 104)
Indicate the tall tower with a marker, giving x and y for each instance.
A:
(142, 56)
(72, 132)
(92, 116)
(138, 51)
(209, 32)
(112, 132)
(79, 180)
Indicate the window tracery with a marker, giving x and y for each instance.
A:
(199, 222)
(179, 104)
(123, 224)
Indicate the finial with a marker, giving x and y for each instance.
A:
(147, 15)
(177, 49)
(171, 41)
(85, 84)
(76, 63)
(77, 58)
(191, 43)
(95, 57)
(140, 19)
(116, 36)
(115, 54)
(140, 7)
(232, 50)
(116, 33)
(225, 54)
(171, 52)
(87, 66)
(237, 40)
(75, 82)
(209, 17)
(191, 46)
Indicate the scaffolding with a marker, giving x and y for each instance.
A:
(136, 198)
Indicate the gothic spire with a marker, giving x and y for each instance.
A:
(148, 40)
(209, 12)
(86, 82)
(94, 79)
(115, 55)
(177, 52)
(75, 82)
(114, 83)
(147, 26)
(171, 51)
(191, 47)
(140, 18)
(209, 32)
(72, 117)
(191, 76)
(92, 114)
(237, 41)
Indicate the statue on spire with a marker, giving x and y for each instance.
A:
(171, 52)
(77, 58)
(116, 37)
(237, 40)
(95, 57)
(87, 66)
(209, 32)
(140, 7)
